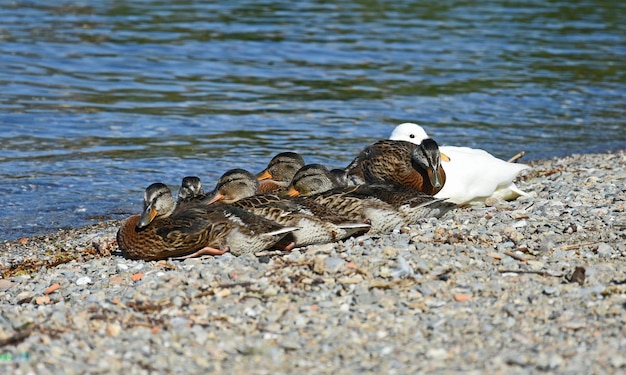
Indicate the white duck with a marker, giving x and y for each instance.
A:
(472, 175)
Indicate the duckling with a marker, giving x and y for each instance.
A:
(163, 231)
(316, 224)
(399, 162)
(190, 190)
(279, 172)
(317, 183)
(473, 175)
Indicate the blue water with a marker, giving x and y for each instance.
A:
(98, 99)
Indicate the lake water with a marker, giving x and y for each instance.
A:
(98, 99)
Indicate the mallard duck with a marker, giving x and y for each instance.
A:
(473, 175)
(316, 223)
(317, 183)
(279, 172)
(315, 179)
(399, 162)
(163, 230)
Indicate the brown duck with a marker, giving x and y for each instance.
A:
(164, 230)
(316, 223)
(316, 181)
(399, 162)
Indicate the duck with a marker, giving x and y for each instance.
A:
(473, 175)
(279, 172)
(413, 204)
(164, 230)
(317, 224)
(417, 166)
(319, 184)
(190, 190)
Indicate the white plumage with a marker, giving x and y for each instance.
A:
(472, 175)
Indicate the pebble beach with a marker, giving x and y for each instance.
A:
(533, 285)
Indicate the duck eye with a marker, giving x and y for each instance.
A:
(411, 135)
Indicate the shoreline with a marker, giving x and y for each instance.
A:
(496, 288)
(114, 218)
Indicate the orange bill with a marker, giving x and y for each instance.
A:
(292, 192)
(147, 216)
(264, 175)
(216, 197)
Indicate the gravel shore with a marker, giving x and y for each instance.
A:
(533, 285)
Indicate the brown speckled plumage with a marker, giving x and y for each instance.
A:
(194, 229)
(386, 200)
(400, 162)
(317, 224)
(316, 182)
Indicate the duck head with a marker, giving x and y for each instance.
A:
(234, 185)
(426, 156)
(410, 132)
(157, 202)
(190, 188)
(341, 175)
(282, 167)
(312, 179)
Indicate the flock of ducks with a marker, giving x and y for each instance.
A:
(391, 183)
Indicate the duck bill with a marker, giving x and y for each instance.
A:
(264, 175)
(216, 197)
(292, 192)
(433, 176)
(147, 216)
(445, 157)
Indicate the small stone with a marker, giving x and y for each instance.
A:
(618, 361)
(551, 291)
(490, 202)
(116, 280)
(604, 250)
(462, 297)
(384, 272)
(551, 362)
(535, 265)
(437, 354)
(351, 280)
(390, 251)
(52, 288)
(22, 296)
(320, 249)
(575, 325)
(113, 329)
(5, 285)
(222, 293)
(80, 322)
(270, 292)
(333, 264)
(83, 280)
(42, 300)
(290, 343)
(520, 224)
(178, 321)
(318, 265)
